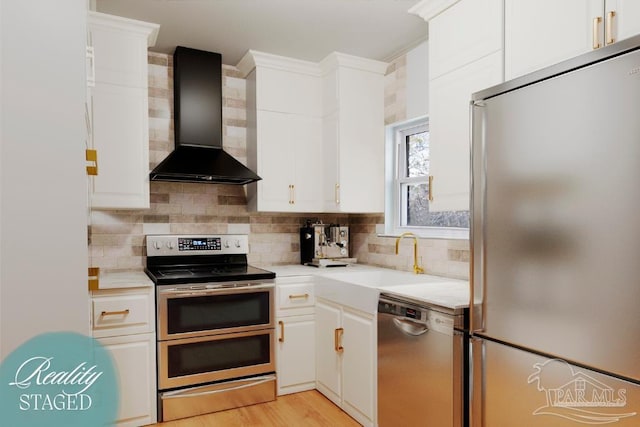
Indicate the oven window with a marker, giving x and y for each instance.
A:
(217, 355)
(212, 312)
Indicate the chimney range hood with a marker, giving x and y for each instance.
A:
(198, 154)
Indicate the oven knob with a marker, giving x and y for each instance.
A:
(226, 244)
(157, 245)
(170, 245)
(237, 243)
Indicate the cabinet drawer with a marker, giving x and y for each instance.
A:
(122, 314)
(295, 296)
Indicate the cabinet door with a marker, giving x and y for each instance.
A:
(275, 160)
(121, 136)
(328, 360)
(539, 33)
(306, 147)
(296, 354)
(288, 92)
(288, 153)
(358, 367)
(361, 141)
(449, 130)
(465, 32)
(121, 54)
(135, 361)
(626, 21)
(331, 177)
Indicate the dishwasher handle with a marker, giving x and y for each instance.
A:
(410, 327)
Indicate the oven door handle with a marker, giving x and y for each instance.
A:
(197, 290)
(181, 393)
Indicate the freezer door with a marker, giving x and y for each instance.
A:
(512, 387)
(556, 235)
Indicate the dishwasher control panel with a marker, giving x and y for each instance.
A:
(434, 320)
(403, 310)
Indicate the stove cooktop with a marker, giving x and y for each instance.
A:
(202, 274)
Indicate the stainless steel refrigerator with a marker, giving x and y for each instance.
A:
(556, 245)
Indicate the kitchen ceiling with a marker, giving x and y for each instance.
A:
(303, 29)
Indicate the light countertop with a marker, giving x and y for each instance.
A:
(359, 286)
(124, 279)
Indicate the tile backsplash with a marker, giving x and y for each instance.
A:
(117, 237)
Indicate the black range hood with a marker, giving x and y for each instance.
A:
(198, 154)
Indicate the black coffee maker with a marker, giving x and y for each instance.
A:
(324, 245)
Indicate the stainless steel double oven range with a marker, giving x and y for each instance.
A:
(215, 324)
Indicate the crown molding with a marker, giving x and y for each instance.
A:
(148, 29)
(428, 9)
(253, 59)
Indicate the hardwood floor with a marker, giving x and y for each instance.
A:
(306, 409)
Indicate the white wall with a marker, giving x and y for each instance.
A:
(418, 81)
(43, 215)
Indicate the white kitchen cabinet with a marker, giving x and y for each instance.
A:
(449, 129)
(353, 134)
(284, 133)
(463, 33)
(460, 63)
(118, 110)
(295, 354)
(345, 358)
(123, 321)
(539, 33)
(295, 320)
(288, 161)
(132, 356)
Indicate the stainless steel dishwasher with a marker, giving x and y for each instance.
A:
(421, 364)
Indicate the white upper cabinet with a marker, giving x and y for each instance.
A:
(463, 33)
(449, 129)
(118, 110)
(465, 56)
(353, 134)
(625, 20)
(284, 133)
(315, 133)
(539, 33)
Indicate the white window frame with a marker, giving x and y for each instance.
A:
(394, 164)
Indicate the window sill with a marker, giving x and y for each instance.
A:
(431, 233)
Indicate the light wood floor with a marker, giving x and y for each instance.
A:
(306, 409)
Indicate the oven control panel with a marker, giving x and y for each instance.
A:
(207, 244)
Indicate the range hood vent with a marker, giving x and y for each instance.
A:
(198, 154)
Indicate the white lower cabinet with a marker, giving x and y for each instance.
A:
(123, 321)
(132, 356)
(295, 354)
(295, 323)
(345, 359)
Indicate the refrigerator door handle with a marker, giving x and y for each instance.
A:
(476, 383)
(477, 110)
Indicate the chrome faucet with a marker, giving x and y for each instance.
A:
(416, 268)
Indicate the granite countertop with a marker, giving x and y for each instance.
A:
(359, 286)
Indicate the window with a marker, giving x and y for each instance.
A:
(408, 169)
